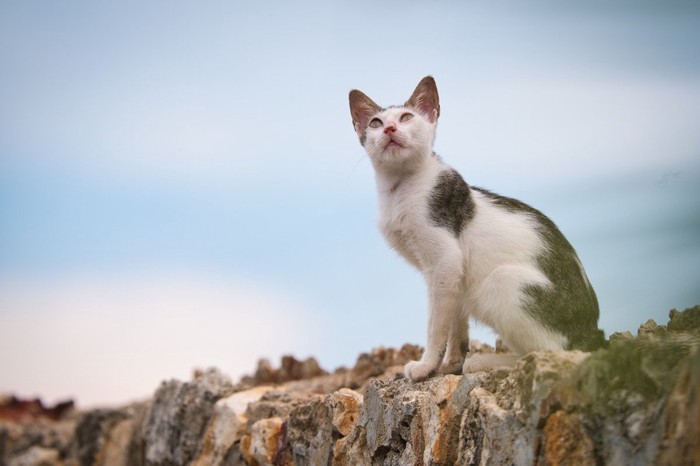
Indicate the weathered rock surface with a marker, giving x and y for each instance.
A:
(636, 402)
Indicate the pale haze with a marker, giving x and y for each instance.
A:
(181, 186)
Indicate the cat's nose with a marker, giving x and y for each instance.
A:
(390, 128)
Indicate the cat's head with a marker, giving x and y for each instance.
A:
(396, 136)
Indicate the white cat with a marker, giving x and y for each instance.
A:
(490, 257)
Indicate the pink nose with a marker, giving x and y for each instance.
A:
(390, 128)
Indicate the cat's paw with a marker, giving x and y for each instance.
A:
(451, 367)
(417, 371)
(486, 362)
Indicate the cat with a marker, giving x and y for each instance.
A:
(483, 255)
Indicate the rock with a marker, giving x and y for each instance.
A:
(686, 321)
(92, 433)
(504, 410)
(112, 438)
(228, 425)
(651, 328)
(178, 417)
(313, 428)
(402, 423)
(309, 435)
(635, 402)
(260, 445)
(290, 369)
(16, 409)
(681, 429)
(378, 361)
(566, 441)
(116, 450)
(37, 456)
(621, 336)
(487, 434)
(279, 402)
(624, 395)
(344, 406)
(16, 438)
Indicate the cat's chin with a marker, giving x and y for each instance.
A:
(396, 153)
(397, 159)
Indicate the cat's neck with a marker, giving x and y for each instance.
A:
(389, 179)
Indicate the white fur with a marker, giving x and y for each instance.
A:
(480, 274)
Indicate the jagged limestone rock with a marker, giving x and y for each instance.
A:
(260, 445)
(228, 425)
(309, 435)
(178, 417)
(624, 394)
(687, 321)
(636, 402)
(37, 456)
(401, 423)
(344, 406)
(92, 433)
(17, 438)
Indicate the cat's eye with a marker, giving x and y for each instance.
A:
(405, 117)
(375, 123)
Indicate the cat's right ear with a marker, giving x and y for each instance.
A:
(425, 99)
(362, 108)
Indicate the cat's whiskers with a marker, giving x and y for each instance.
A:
(359, 161)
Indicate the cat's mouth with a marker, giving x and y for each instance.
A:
(392, 144)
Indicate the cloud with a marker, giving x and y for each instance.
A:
(112, 340)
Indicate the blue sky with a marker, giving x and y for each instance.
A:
(180, 185)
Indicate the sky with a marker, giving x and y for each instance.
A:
(181, 187)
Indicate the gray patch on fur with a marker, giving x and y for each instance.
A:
(450, 204)
(570, 306)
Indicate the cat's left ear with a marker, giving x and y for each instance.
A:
(425, 99)
(361, 109)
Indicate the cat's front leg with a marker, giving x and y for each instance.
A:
(444, 289)
(457, 344)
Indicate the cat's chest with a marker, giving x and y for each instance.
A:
(404, 206)
(403, 219)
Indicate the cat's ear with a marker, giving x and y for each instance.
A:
(361, 109)
(425, 99)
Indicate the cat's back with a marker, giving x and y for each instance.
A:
(502, 230)
(506, 230)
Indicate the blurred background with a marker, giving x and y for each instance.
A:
(181, 187)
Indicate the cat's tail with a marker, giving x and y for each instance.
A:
(591, 341)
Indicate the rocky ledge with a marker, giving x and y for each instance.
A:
(636, 402)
